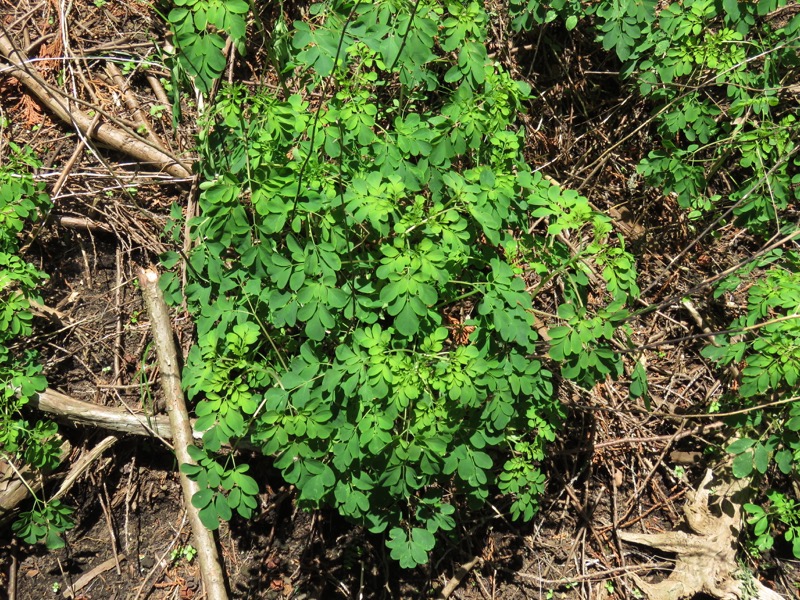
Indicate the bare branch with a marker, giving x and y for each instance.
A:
(181, 426)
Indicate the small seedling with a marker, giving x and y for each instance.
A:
(186, 553)
(157, 110)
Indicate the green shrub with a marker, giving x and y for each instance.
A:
(726, 130)
(22, 201)
(357, 278)
(716, 74)
(766, 348)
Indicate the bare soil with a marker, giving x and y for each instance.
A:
(617, 466)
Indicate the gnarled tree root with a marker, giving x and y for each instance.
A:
(706, 554)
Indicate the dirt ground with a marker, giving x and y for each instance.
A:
(617, 466)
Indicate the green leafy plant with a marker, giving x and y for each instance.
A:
(725, 128)
(718, 106)
(767, 351)
(224, 489)
(22, 201)
(575, 345)
(696, 42)
(364, 310)
(356, 278)
(186, 553)
(199, 28)
(780, 517)
(528, 13)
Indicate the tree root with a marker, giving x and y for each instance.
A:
(706, 554)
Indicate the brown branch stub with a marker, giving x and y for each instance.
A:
(456, 580)
(208, 557)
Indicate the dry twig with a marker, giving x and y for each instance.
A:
(87, 578)
(57, 102)
(456, 580)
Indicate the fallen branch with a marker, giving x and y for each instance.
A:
(82, 223)
(132, 103)
(61, 106)
(208, 558)
(71, 411)
(457, 578)
(13, 490)
(603, 575)
(67, 409)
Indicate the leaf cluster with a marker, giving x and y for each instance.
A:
(22, 201)
(781, 516)
(200, 29)
(767, 351)
(356, 277)
(46, 522)
(716, 72)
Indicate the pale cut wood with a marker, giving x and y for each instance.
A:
(67, 409)
(71, 411)
(161, 327)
